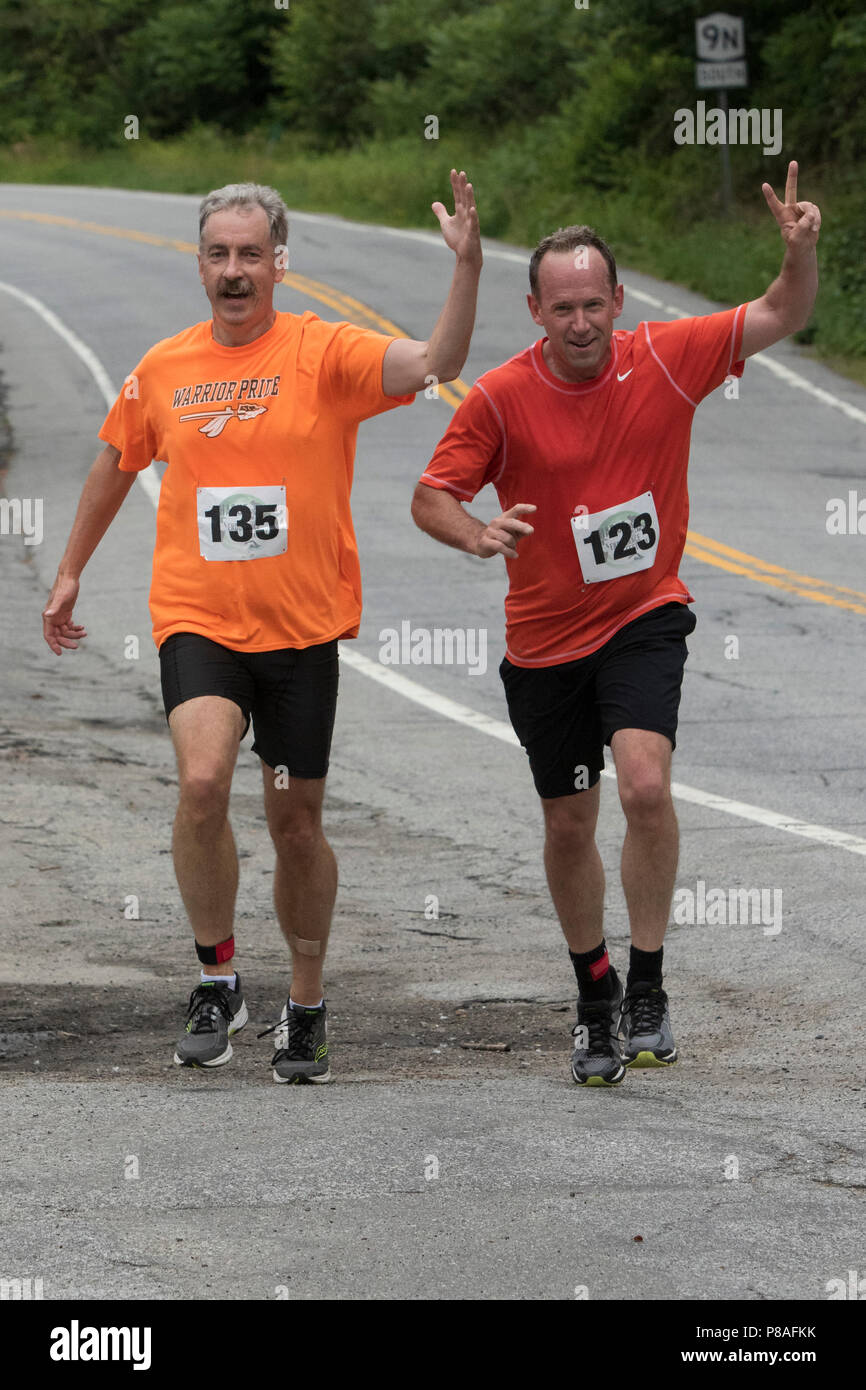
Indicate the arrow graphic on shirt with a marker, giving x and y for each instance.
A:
(217, 420)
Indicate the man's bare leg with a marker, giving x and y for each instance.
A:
(575, 877)
(649, 865)
(573, 865)
(206, 732)
(651, 848)
(305, 877)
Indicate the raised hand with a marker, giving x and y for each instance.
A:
(461, 230)
(799, 223)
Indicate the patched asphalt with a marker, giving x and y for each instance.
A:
(452, 1157)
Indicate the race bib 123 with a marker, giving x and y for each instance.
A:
(617, 541)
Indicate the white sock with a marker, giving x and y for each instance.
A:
(306, 1006)
(230, 980)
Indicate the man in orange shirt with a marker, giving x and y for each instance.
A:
(588, 432)
(256, 575)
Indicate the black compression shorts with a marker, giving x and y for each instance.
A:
(290, 695)
(564, 715)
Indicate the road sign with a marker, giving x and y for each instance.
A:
(720, 37)
(720, 40)
(719, 75)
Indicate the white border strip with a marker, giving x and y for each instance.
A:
(428, 699)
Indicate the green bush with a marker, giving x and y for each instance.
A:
(558, 114)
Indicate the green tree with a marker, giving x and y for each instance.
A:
(504, 63)
(204, 63)
(62, 68)
(323, 61)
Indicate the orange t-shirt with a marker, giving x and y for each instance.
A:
(255, 546)
(605, 462)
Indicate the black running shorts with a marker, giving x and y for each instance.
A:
(564, 715)
(290, 695)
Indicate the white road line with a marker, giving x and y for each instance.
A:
(88, 357)
(801, 384)
(497, 728)
(420, 695)
(148, 478)
(825, 835)
(428, 699)
(779, 369)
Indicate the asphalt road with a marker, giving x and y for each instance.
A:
(430, 1169)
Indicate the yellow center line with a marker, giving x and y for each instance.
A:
(777, 583)
(698, 547)
(124, 233)
(753, 561)
(351, 309)
(452, 392)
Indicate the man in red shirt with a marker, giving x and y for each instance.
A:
(587, 433)
(256, 576)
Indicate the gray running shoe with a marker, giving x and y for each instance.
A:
(646, 1023)
(215, 1012)
(301, 1056)
(597, 1060)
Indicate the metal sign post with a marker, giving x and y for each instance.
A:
(721, 48)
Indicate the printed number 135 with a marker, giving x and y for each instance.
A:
(263, 525)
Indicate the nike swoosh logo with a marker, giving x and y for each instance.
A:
(624, 374)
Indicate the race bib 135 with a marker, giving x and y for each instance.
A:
(242, 523)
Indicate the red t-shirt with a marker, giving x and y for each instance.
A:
(605, 462)
(255, 546)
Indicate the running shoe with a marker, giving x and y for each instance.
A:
(215, 1012)
(646, 1024)
(301, 1042)
(597, 1060)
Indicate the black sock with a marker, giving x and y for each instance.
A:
(645, 966)
(595, 976)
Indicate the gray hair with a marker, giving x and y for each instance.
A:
(247, 195)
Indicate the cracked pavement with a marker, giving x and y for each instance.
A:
(537, 1187)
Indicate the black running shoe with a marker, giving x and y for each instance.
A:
(215, 1012)
(597, 1060)
(648, 1040)
(301, 1057)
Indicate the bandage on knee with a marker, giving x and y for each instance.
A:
(305, 948)
(215, 955)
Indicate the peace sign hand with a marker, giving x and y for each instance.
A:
(799, 223)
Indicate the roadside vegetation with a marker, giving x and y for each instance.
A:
(558, 114)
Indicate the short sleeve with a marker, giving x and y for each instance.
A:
(698, 354)
(471, 452)
(353, 366)
(126, 425)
